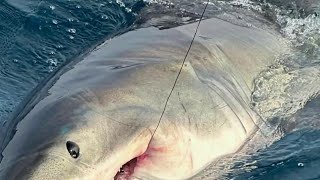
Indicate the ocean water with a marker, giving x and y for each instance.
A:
(39, 36)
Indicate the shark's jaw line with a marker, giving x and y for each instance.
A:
(166, 156)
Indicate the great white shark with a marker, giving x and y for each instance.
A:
(97, 118)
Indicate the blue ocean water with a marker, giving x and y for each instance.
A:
(39, 36)
(296, 156)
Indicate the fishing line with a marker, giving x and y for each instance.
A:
(182, 64)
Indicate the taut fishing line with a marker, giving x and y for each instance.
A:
(178, 75)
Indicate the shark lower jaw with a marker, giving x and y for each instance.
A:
(161, 158)
(149, 163)
(180, 156)
(146, 158)
(153, 162)
(172, 153)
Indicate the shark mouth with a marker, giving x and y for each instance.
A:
(177, 156)
(163, 158)
(126, 170)
(135, 156)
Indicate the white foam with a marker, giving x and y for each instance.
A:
(72, 30)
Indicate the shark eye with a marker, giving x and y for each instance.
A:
(73, 149)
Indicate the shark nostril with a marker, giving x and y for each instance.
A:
(73, 149)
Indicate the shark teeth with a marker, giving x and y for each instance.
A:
(121, 170)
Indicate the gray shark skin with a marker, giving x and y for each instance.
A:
(110, 102)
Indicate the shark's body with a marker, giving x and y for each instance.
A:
(110, 103)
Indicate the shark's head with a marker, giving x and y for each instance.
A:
(110, 130)
(105, 131)
(101, 118)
